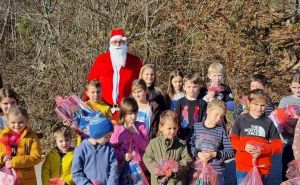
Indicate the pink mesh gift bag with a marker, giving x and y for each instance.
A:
(166, 165)
(205, 174)
(295, 181)
(293, 173)
(56, 181)
(8, 176)
(253, 177)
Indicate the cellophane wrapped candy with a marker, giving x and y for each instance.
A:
(215, 89)
(283, 117)
(74, 109)
(166, 165)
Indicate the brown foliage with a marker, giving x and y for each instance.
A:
(48, 46)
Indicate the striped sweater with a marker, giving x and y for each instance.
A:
(212, 139)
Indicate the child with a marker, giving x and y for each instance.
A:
(148, 74)
(167, 146)
(215, 88)
(288, 133)
(258, 81)
(293, 99)
(58, 162)
(254, 126)
(8, 98)
(23, 150)
(189, 109)
(175, 89)
(148, 111)
(94, 159)
(210, 142)
(93, 92)
(130, 137)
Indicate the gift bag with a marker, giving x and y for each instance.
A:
(283, 117)
(74, 109)
(295, 181)
(293, 110)
(8, 176)
(279, 118)
(96, 182)
(253, 177)
(293, 173)
(56, 181)
(215, 88)
(293, 170)
(133, 174)
(166, 165)
(204, 174)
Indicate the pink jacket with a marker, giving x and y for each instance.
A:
(121, 140)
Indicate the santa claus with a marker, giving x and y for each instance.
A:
(115, 69)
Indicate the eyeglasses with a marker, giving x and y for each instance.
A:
(117, 42)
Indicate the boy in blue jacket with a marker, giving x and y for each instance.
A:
(94, 159)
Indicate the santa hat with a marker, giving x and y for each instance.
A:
(117, 34)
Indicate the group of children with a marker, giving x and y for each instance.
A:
(186, 124)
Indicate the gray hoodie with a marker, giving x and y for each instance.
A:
(94, 162)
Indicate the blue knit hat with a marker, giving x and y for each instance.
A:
(99, 126)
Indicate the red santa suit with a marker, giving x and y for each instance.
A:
(116, 70)
(103, 71)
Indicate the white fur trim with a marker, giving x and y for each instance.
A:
(117, 37)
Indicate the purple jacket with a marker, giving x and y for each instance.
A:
(121, 138)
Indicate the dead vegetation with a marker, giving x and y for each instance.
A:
(48, 46)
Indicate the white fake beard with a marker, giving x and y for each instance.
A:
(118, 54)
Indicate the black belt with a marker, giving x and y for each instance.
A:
(115, 106)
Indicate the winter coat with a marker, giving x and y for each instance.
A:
(28, 154)
(161, 148)
(57, 166)
(122, 138)
(94, 162)
(154, 122)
